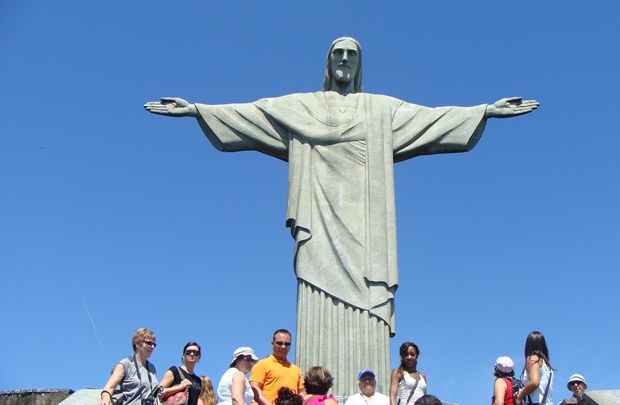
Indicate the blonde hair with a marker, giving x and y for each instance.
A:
(139, 335)
(206, 394)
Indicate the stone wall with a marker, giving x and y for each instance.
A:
(33, 397)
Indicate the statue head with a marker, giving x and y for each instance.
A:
(343, 68)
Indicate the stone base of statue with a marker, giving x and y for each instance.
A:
(342, 338)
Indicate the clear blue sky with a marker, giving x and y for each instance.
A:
(111, 218)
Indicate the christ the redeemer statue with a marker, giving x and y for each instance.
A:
(341, 145)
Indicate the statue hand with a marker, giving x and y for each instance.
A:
(171, 106)
(511, 107)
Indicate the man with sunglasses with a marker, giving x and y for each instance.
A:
(276, 371)
(577, 385)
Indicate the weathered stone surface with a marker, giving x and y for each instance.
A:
(33, 397)
(83, 397)
(605, 397)
(341, 145)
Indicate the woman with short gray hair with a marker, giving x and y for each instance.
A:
(135, 375)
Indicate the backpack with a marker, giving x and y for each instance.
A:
(517, 385)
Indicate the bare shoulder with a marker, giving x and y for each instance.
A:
(331, 401)
(396, 375)
(533, 359)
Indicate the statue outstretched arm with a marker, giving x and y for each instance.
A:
(510, 107)
(229, 127)
(420, 130)
(172, 107)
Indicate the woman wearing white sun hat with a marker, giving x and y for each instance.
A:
(234, 387)
(505, 383)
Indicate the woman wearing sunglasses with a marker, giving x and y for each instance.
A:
(134, 375)
(181, 380)
(234, 387)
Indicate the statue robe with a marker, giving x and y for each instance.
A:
(341, 207)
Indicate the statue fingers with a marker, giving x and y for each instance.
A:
(530, 103)
(153, 105)
(157, 109)
(513, 99)
(174, 100)
(521, 111)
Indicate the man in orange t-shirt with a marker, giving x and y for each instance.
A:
(274, 372)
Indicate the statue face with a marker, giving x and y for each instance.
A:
(344, 61)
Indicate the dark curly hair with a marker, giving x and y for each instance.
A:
(287, 397)
(428, 400)
(318, 380)
(500, 374)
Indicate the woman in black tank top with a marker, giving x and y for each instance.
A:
(182, 378)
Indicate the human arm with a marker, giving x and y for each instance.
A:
(533, 377)
(257, 381)
(168, 388)
(117, 376)
(394, 380)
(301, 390)
(259, 397)
(499, 391)
(237, 389)
(510, 107)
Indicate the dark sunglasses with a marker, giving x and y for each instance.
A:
(245, 357)
(149, 343)
(192, 352)
(283, 344)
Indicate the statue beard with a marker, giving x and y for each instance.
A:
(343, 75)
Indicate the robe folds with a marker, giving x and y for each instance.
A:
(341, 209)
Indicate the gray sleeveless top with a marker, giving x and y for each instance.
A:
(133, 388)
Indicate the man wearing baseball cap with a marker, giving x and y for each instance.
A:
(368, 394)
(577, 385)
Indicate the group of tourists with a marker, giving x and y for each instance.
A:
(275, 380)
(535, 383)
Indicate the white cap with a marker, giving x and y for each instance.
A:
(504, 364)
(576, 377)
(243, 351)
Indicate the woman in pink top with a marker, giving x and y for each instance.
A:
(317, 383)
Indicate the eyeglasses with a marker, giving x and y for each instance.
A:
(282, 344)
(149, 343)
(573, 383)
(192, 353)
(245, 357)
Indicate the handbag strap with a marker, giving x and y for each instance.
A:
(180, 373)
(544, 398)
